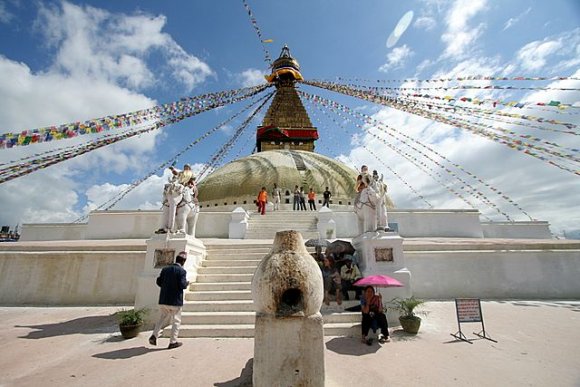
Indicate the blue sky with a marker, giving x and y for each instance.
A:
(68, 61)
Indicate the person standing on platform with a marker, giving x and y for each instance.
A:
(277, 197)
(302, 199)
(312, 200)
(172, 280)
(326, 196)
(296, 203)
(262, 200)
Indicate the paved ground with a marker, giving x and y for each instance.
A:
(538, 345)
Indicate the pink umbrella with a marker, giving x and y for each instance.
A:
(379, 280)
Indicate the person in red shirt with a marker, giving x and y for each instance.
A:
(262, 200)
(312, 199)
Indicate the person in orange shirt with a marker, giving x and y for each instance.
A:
(262, 200)
(312, 199)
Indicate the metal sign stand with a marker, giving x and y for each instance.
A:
(469, 311)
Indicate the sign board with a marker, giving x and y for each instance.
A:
(468, 310)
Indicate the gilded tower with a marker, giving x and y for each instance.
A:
(286, 125)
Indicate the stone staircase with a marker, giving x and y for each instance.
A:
(266, 226)
(219, 303)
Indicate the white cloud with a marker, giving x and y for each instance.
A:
(533, 55)
(513, 20)
(460, 36)
(564, 47)
(100, 60)
(396, 58)
(425, 22)
(115, 47)
(252, 77)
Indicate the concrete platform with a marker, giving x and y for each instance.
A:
(80, 346)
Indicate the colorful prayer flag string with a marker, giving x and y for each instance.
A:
(398, 134)
(505, 140)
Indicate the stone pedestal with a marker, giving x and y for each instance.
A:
(381, 252)
(287, 291)
(161, 251)
(326, 225)
(238, 224)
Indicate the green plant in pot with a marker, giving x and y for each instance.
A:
(409, 319)
(131, 321)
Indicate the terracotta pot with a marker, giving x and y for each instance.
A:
(130, 331)
(410, 324)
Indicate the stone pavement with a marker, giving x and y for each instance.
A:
(538, 345)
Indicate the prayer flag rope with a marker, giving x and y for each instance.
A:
(399, 177)
(117, 198)
(13, 172)
(516, 145)
(562, 108)
(259, 33)
(220, 154)
(490, 115)
(461, 79)
(398, 134)
(98, 125)
(453, 109)
(453, 102)
(436, 176)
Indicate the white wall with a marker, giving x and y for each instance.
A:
(122, 224)
(495, 274)
(533, 230)
(215, 224)
(53, 231)
(419, 223)
(69, 277)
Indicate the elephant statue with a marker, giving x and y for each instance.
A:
(172, 196)
(365, 207)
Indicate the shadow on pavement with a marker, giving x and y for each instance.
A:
(84, 325)
(352, 346)
(126, 353)
(245, 378)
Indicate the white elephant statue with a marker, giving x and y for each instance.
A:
(365, 206)
(187, 212)
(172, 196)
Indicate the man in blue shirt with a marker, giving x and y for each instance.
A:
(172, 280)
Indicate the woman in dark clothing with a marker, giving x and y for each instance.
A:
(372, 311)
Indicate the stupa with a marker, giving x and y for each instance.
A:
(285, 144)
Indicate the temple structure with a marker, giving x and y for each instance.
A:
(285, 144)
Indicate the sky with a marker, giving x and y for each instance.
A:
(68, 61)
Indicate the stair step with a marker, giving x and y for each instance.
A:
(219, 286)
(223, 318)
(219, 295)
(224, 278)
(226, 270)
(219, 306)
(231, 263)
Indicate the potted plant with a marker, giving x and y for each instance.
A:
(409, 319)
(131, 321)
